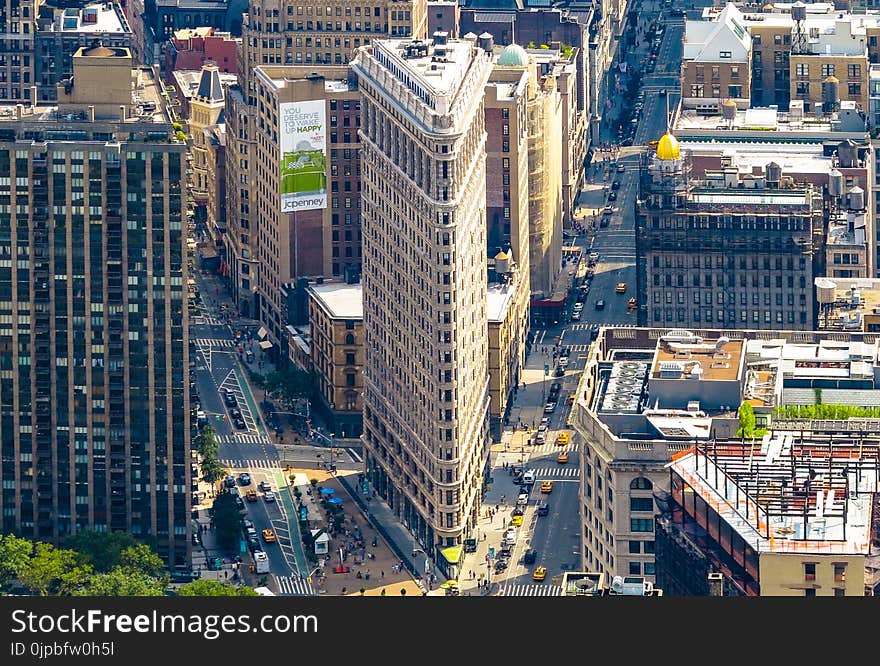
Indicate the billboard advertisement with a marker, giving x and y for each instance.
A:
(303, 156)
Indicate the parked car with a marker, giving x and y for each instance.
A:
(269, 496)
(244, 479)
(265, 485)
(612, 196)
(549, 408)
(530, 556)
(239, 423)
(229, 398)
(543, 509)
(229, 482)
(576, 315)
(600, 304)
(615, 185)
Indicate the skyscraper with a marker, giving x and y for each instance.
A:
(424, 273)
(311, 35)
(94, 418)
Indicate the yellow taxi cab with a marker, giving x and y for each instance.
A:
(562, 457)
(516, 521)
(571, 398)
(251, 495)
(540, 573)
(620, 288)
(269, 535)
(563, 438)
(546, 486)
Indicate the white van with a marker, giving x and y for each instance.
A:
(529, 478)
(261, 560)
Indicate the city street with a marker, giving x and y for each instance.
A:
(556, 536)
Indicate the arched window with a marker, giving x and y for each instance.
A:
(598, 464)
(349, 338)
(641, 483)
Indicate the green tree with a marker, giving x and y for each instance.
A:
(102, 550)
(291, 382)
(15, 553)
(212, 471)
(54, 570)
(121, 582)
(206, 442)
(746, 420)
(214, 588)
(143, 559)
(227, 521)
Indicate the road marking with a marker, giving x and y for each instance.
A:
(240, 463)
(354, 455)
(242, 438)
(533, 590)
(562, 470)
(290, 586)
(214, 342)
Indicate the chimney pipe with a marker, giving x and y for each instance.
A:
(34, 97)
(91, 113)
(122, 112)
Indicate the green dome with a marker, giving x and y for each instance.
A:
(513, 55)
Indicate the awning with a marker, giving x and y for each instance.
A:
(452, 554)
(262, 333)
(265, 344)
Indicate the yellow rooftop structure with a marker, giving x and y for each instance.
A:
(667, 147)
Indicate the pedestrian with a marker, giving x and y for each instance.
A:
(383, 573)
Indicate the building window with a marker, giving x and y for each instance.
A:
(854, 71)
(635, 568)
(810, 593)
(828, 69)
(855, 88)
(724, 54)
(649, 568)
(635, 547)
(802, 69)
(809, 571)
(641, 504)
(641, 483)
(839, 572)
(641, 525)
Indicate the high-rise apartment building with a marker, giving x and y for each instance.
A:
(724, 249)
(320, 38)
(17, 32)
(426, 399)
(270, 245)
(94, 428)
(61, 30)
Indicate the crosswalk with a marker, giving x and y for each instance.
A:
(214, 342)
(242, 438)
(206, 319)
(290, 586)
(550, 447)
(577, 348)
(580, 327)
(555, 472)
(250, 463)
(533, 590)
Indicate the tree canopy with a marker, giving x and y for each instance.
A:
(227, 521)
(204, 587)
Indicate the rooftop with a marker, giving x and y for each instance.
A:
(498, 300)
(798, 123)
(187, 81)
(279, 76)
(789, 492)
(430, 70)
(750, 158)
(339, 299)
(684, 357)
(96, 17)
(147, 106)
(853, 298)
